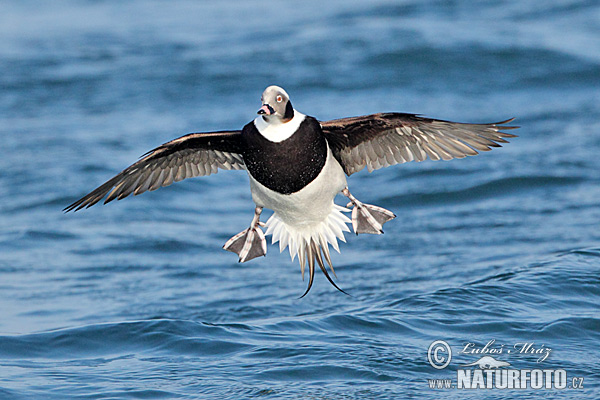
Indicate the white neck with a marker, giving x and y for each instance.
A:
(277, 131)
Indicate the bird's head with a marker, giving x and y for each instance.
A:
(276, 105)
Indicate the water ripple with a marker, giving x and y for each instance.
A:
(136, 299)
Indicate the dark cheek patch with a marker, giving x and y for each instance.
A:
(289, 111)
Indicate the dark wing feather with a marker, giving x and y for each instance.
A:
(196, 154)
(381, 140)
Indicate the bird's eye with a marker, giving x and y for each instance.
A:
(279, 98)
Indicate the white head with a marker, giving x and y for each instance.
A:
(276, 105)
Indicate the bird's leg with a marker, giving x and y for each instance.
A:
(249, 243)
(367, 218)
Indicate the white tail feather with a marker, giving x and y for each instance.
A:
(298, 239)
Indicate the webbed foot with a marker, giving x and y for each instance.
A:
(251, 242)
(367, 218)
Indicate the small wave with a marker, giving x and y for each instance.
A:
(496, 188)
(174, 337)
(594, 252)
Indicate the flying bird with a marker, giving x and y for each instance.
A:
(297, 165)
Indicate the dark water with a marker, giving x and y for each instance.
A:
(137, 299)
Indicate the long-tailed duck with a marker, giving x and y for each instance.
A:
(297, 165)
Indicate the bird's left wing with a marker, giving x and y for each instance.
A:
(381, 140)
(195, 154)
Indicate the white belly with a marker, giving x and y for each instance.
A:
(309, 205)
(307, 213)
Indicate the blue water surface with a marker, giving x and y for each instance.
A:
(137, 299)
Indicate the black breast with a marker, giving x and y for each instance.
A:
(289, 165)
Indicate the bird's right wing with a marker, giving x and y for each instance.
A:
(195, 154)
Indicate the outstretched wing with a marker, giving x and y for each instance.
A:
(381, 140)
(196, 154)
